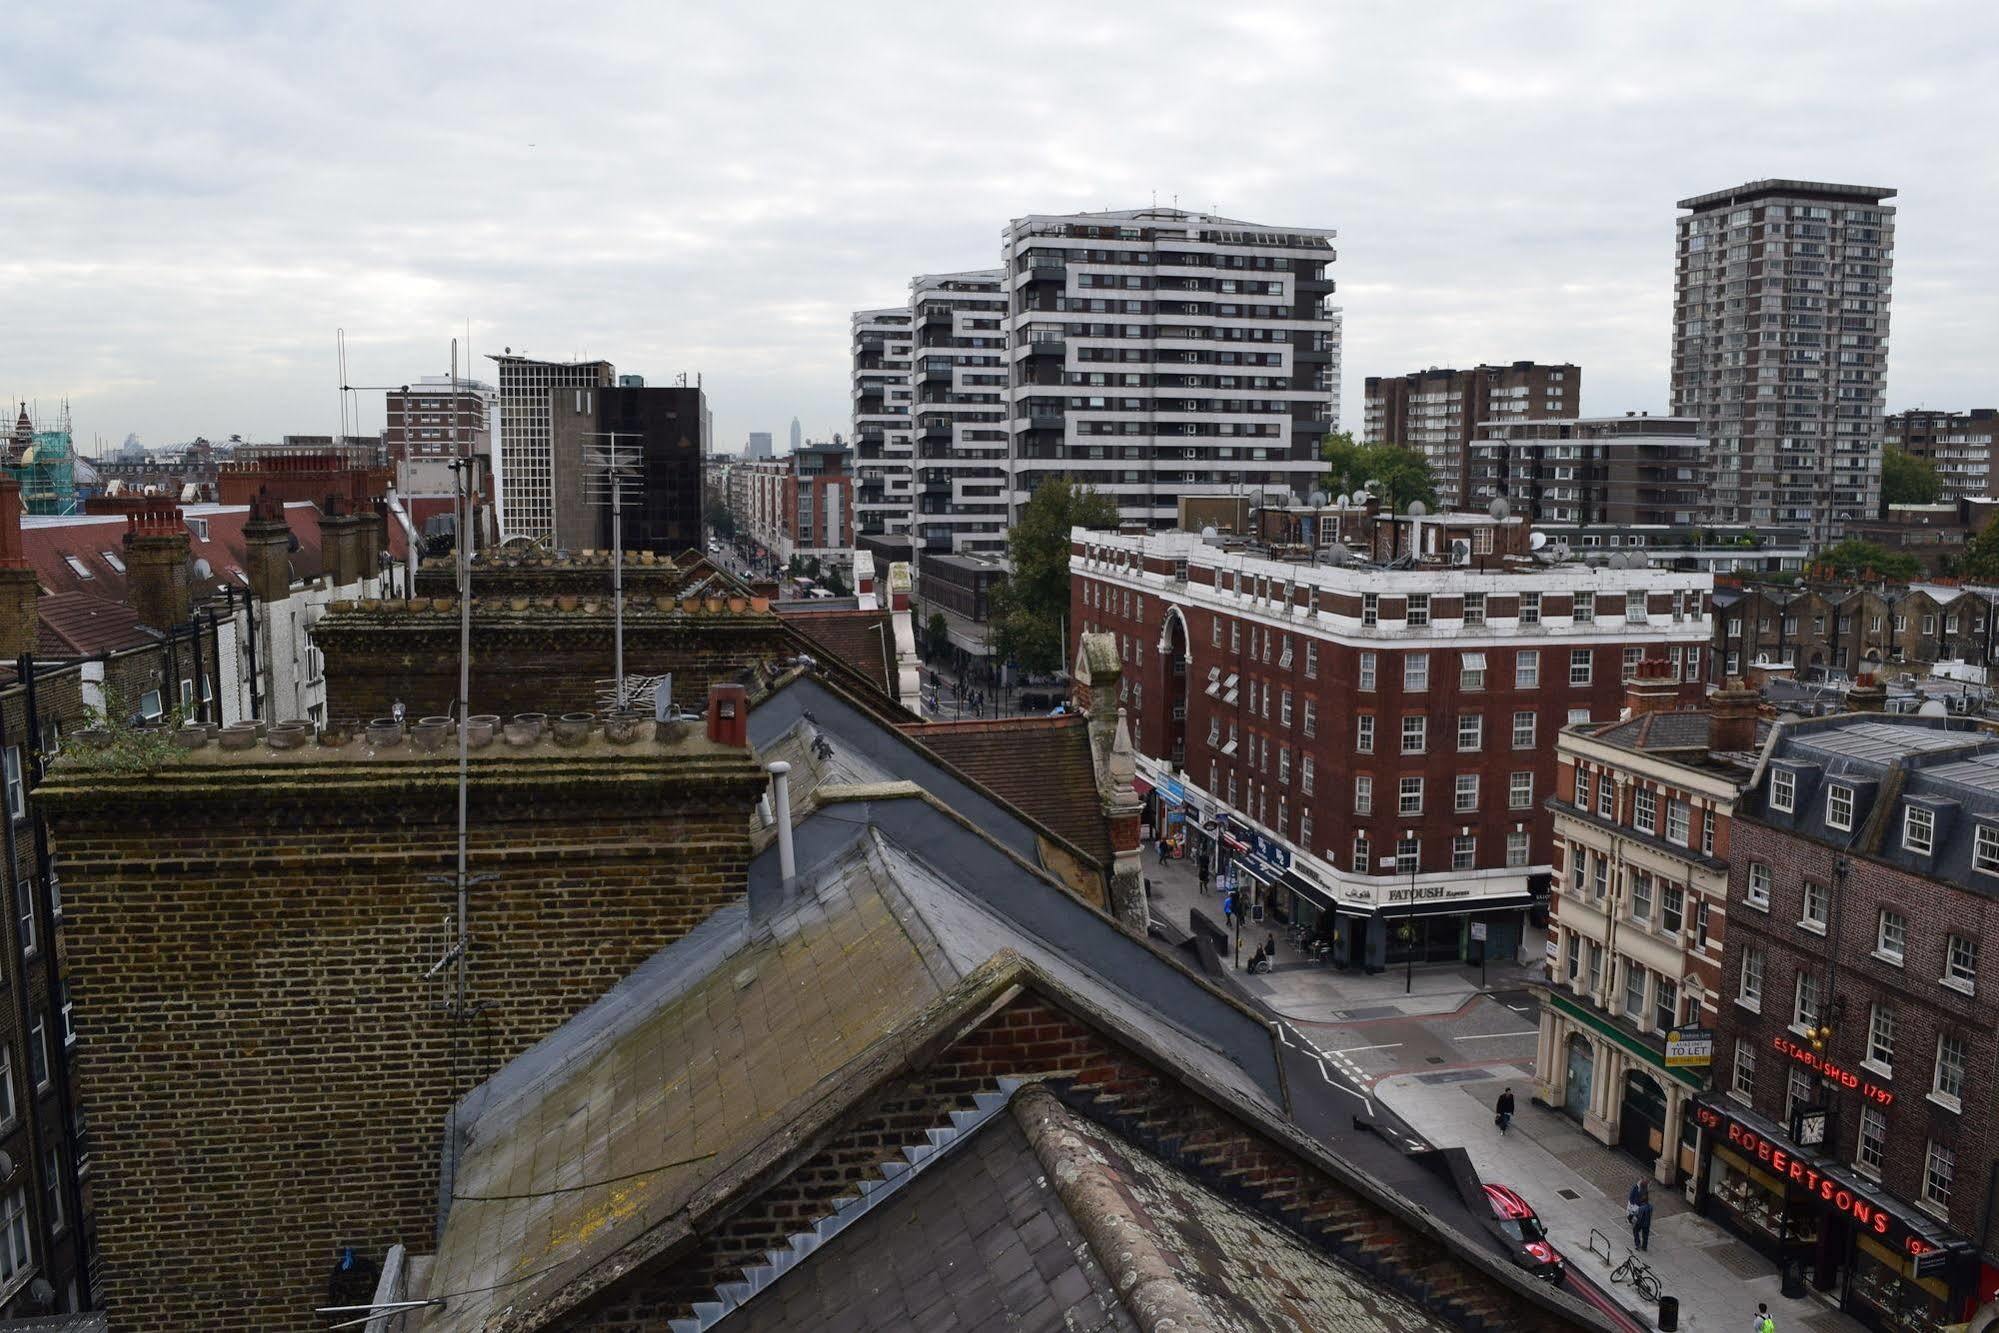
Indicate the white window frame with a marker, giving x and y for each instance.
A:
(1757, 884)
(1409, 797)
(1839, 806)
(1582, 665)
(1891, 936)
(1464, 793)
(1783, 790)
(1919, 829)
(1527, 669)
(1519, 794)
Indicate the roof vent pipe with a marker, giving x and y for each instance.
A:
(787, 858)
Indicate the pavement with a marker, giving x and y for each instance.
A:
(1428, 1049)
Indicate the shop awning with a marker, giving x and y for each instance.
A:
(1143, 787)
(1453, 907)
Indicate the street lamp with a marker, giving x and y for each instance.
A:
(1408, 922)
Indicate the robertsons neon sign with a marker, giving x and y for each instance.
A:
(1868, 1215)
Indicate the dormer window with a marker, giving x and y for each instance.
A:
(1783, 790)
(1839, 807)
(1919, 829)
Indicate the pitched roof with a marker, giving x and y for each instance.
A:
(86, 552)
(735, 1044)
(81, 624)
(861, 640)
(982, 1239)
(1041, 765)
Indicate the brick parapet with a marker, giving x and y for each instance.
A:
(268, 1067)
(537, 655)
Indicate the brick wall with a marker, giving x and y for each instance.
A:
(646, 575)
(267, 1068)
(1030, 1037)
(1923, 1008)
(532, 656)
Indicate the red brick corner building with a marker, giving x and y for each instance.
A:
(1360, 721)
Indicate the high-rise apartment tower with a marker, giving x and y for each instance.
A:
(1780, 348)
(882, 440)
(1438, 411)
(1158, 353)
(958, 388)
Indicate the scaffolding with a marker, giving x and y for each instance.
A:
(44, 462)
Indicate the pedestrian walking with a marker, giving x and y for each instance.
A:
(1641, 1191)
(1204, 878)
(1162, 851)
(1641, 1226)
(1764, 1323)
(1503, 1111)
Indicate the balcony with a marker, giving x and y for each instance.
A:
(934, 375)
(1046, 346)
(1046, 421)
(1043, 271)
(934, 431)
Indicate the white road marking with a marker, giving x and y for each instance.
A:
(1384, 1046)
(1484, 1036)
(1519, 1008)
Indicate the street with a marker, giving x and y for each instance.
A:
(1426, 1053)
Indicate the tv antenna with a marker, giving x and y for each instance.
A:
(611, 463)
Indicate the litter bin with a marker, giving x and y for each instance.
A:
(1669, 1313)
(1794, 1281)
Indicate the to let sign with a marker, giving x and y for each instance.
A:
(1689, 1046)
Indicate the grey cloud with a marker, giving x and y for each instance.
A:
(199, 195)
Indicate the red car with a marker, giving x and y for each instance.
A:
(1517, 1221)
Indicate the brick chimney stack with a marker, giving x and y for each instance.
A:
(1868, 694)
(268, 539)
(339, 527)
(1733, 710)
(157, 553)
(20, 625)
(1653, 686)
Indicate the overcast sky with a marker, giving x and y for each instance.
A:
(197, 197)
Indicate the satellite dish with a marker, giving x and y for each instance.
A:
(1933, 708)
(1499, 508)
(1317, 499)
(1209, 533)
(1343, 500)
(1336, 554)
(1417, 509)
(202, 569)
(1536, 540)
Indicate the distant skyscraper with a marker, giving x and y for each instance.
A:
(759, 445)
(1780, 348)
(526, 471)
(797, 435)
(1157, 353)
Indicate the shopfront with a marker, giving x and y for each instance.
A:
(1890, 1265)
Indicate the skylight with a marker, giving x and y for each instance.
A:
(81, 570)
(111, 559)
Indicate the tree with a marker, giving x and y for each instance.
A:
(937, 633)
(1981, 556)
(1404, 474)
(1908, 480)
(1853, 556)
(1027, 607)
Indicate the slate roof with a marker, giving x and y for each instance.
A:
(733, 1044)
(1041, 765)
(856, 729)
(981, 1240)
(81, 624)
(1666, 729)
(861, 640)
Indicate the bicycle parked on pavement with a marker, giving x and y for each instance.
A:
(1642, 1278)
